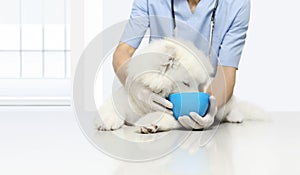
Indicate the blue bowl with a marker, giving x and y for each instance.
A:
(184, 103)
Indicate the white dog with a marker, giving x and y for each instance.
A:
(165, 66)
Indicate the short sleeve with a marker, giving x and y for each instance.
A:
(137, 24)
(234, 40)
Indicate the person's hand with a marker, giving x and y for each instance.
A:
(195, 121)
(147, 99)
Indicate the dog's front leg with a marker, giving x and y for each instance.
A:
(157, 121)
(110, 117)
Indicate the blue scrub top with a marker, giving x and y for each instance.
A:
(231, 25)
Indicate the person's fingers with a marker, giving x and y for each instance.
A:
(182, 120)
(212, 98)
(190, 122)
(157, 107)
(205, 121)
(193, 123)
(162, 101)
(208, 119)
(212, 106)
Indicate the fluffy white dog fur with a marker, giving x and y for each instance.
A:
(165, 66)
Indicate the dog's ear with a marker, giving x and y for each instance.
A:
(171, 59)
(170, 64)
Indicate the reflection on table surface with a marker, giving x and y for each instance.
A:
(253, 147)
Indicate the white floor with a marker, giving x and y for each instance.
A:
(48, 140)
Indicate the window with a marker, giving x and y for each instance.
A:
(35, 51)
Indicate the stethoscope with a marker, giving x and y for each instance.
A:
(212, 23)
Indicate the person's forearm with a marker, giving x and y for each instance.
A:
(121, 57)
(223, 85)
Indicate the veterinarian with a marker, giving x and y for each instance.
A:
(223, 23)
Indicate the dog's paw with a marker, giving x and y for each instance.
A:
(108, 123)
(234, 120)
(149, 129)
(234, 117)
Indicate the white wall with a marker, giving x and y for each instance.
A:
(269, 66)
(99, 15)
